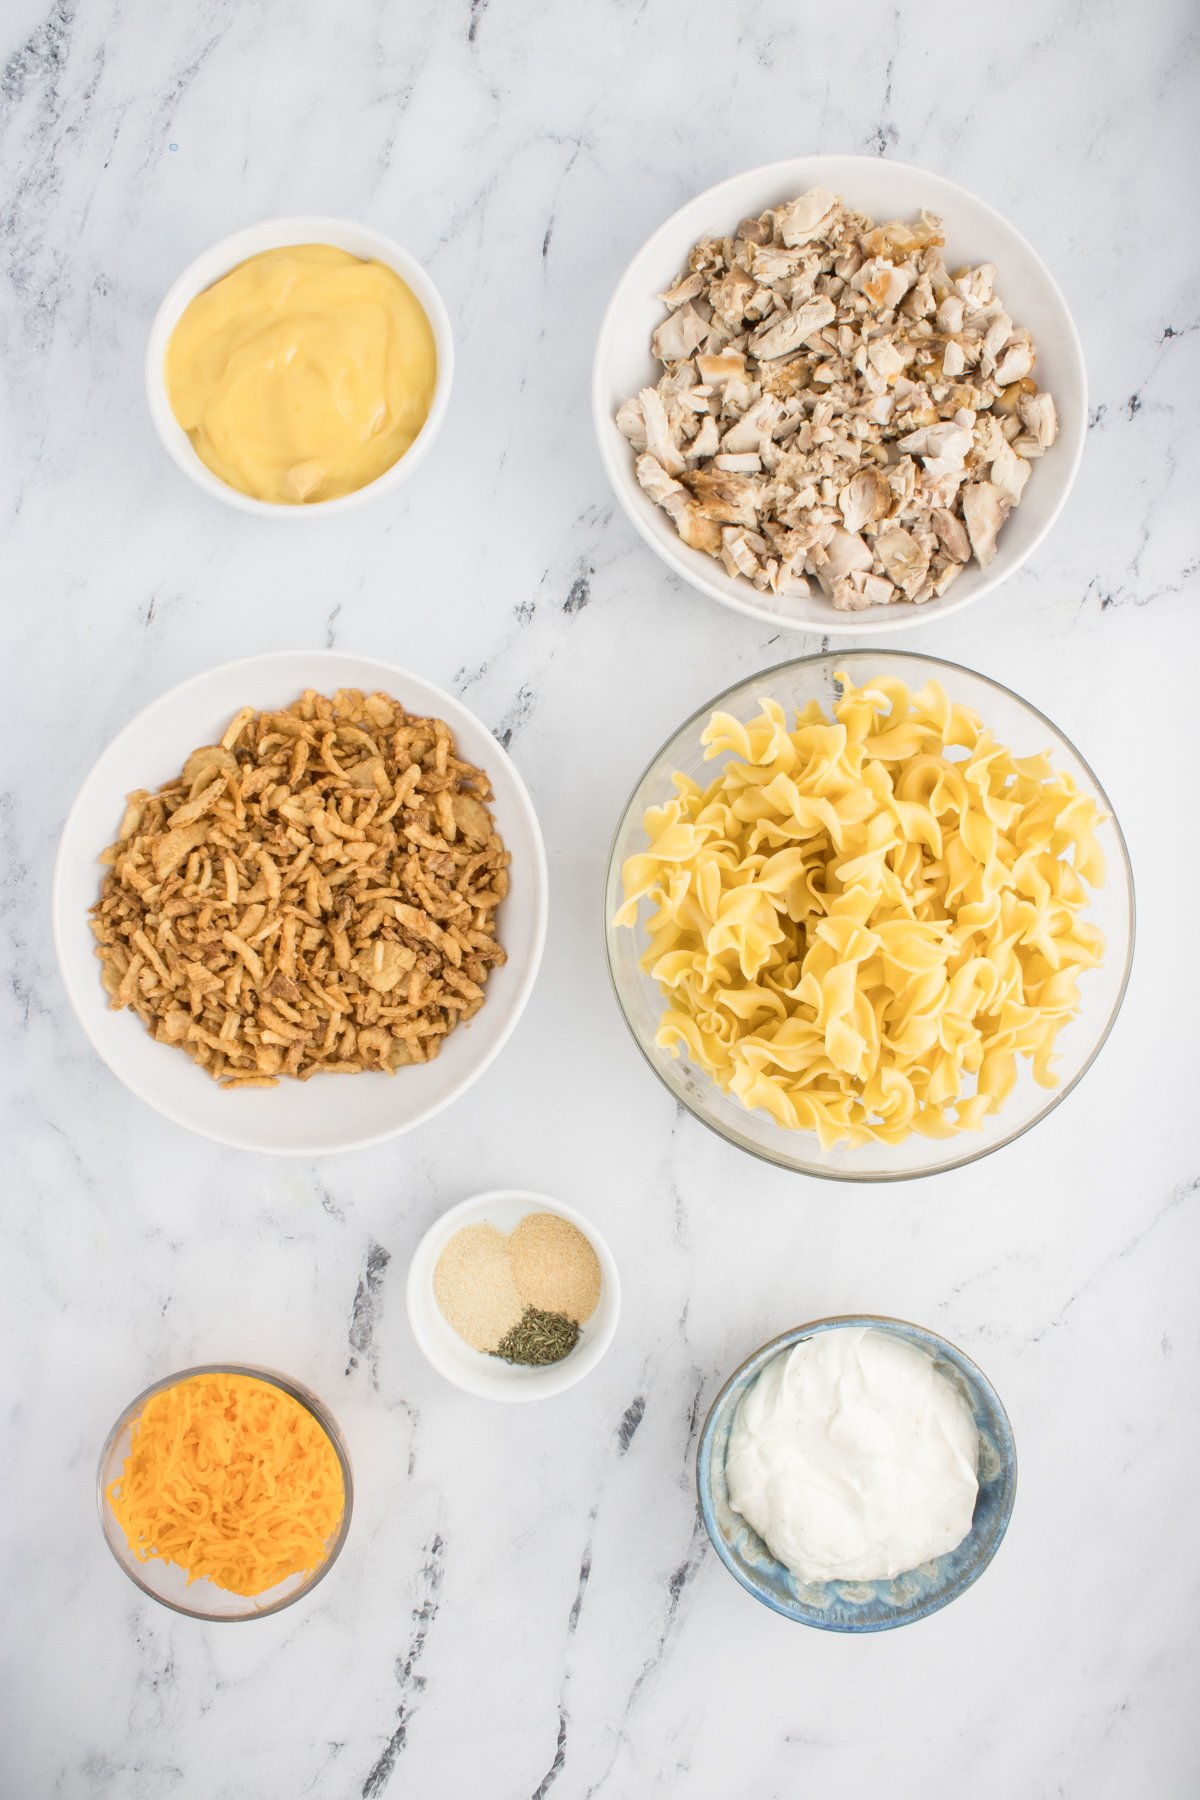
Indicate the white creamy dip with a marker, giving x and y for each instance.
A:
(854, 1458)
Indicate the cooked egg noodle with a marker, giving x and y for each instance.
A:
(863, 922)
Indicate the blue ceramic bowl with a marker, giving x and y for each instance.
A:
(861, 1605)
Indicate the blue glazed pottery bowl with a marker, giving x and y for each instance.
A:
(861, 1605)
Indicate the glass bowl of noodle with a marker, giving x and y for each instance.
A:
(225, 1491)
(873, 944)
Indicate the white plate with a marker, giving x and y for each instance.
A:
(488, 1376)
(330, 1113)
(885, 190)
(277, 234)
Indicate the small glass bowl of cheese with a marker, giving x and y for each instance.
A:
(209, 1474)
(300, 366)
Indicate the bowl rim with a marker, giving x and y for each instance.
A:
(689, 565)
(541, 903)
(555, 1378)
(305, 1397)
(1055, 1097)
(754, 1364)
(236, 248)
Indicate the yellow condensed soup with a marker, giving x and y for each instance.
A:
(302, 374)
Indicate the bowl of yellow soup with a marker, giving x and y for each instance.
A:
(300, 366)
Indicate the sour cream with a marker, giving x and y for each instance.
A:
(854, 1457)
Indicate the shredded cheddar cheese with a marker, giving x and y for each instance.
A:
(232, 1480)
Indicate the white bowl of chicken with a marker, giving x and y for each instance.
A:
(840, 394)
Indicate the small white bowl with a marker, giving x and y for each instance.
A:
(329, 1113)
(277, 234)
(885, 190)
(489, 1376)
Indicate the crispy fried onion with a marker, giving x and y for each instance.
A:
(317, 892)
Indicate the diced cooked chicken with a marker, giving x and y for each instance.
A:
(865, 498)
(877, 590)
(768, 263)
(904, 560)
(686, 288)
(676, 391)
(848, 598)
(896, 239)
(843, 551)
(885, 359)
(737, 552)
(748, 432)
(707, 440)
(975, 285)
(812, 215)
(755, 231)
(678, 335)
(789, 578)
(1010, 472)
(660, 443)
(946, 443)
(1039, 418)
(730, 499)
(631, 422)
(726, 365)
(835, 403)
(1016, 363)
(950, 314)
(697, 532)
(730, 297)
(781, 335)
(883, 283)
(998, 333)
(984, 512)
(654, 478)
(952, 533)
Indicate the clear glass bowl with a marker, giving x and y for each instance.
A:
(167, 1582)
(1014, 723)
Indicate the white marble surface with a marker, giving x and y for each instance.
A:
(526, 1605)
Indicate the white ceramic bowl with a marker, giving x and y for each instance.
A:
(885, 190)
(275, 234)
(329, 1113)
(488, 1376)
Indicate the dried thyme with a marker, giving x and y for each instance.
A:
(539, 1337)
